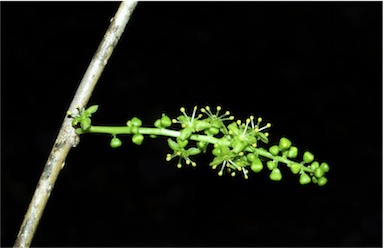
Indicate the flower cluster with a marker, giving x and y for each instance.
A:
(237, 145)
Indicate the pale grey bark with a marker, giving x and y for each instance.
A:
(67, 138)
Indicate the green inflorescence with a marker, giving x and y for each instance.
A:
(236, 144)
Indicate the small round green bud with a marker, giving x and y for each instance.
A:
(308, 157)
(274, 150)
(251, 157)
(314, 179)
(201, 144)
(193, 151)
(134, 129)
(314, 165)
(158, 123)
(319, 173)
(292, 152)
(275, 175)
(271, 165)
(115, 142)
(324, 167)
(137, 139)
(216, 152)
(212, 131)
(284, 144)
(322, 181)
(295, 168)
(256, 165)
(136, 122)
(304, 179)
(165, 121)
(238, 146)
(185, 133)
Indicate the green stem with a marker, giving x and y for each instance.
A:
(115, 130)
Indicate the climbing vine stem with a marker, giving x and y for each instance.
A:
(237, 146)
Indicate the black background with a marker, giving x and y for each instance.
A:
(313, 69)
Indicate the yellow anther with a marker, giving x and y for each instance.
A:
(269, 125)
(266, 134)
(233, 174)
(193, 164)
(231, 117)
(207, 108)
(220, 173)
(179, 165)
(218, 108)
(182, 110)
(259, 119)
(238, 122)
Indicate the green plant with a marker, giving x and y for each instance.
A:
(237, 145)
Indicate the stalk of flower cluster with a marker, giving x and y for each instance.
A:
(67, 138)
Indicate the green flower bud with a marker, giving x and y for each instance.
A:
(134, 129)
(304, 179)
(275, 175)
(314, 179)
(158, 123)
(314, 165)
(115, 142)
(292, 152)
(319, 173)
(173, 145)
(212, 131)
(274, 150)
(201, 125)
(251, 157)
(284, 144)
(137, 139)
(322, 181)
(201, 145)
(256, 165)
(165, 121)
(185, 133)
(308, 157)
(238, 146)
(271, 165)
(295, 168)
(324, 167)
(182, 143)
(136, 122)
(193, 151)
(216, 152)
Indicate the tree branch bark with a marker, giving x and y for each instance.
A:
(67, 138)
